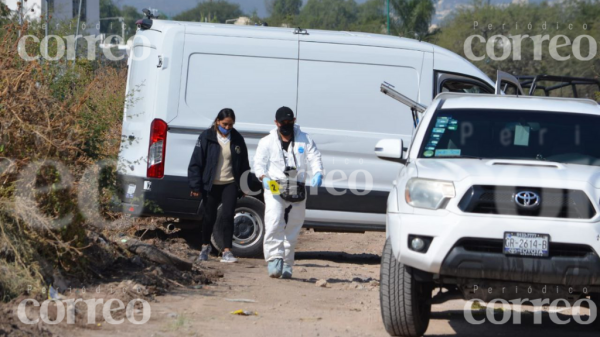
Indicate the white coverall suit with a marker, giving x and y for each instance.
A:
(283, 219)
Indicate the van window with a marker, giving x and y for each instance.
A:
(463, 87)
(254, 87)
(450, 82)
(346, 96)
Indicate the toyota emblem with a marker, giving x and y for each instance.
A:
(527, 199)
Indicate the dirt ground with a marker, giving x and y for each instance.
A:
(347, 306)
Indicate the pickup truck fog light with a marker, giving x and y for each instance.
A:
(419, 244)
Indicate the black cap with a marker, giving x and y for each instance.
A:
(284, 114)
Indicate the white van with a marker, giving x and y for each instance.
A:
(182, 74)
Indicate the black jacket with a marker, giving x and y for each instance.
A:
(201, 171)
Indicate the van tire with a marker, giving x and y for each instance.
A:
(595, 298)
(249, 228)
(405, 302)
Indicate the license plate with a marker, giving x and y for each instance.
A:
(130, 191)
(526, 244)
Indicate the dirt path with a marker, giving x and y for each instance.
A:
(348, 306)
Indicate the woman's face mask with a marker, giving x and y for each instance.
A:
(225, 125)
(223, 130)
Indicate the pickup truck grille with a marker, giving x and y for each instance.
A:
(553, 203)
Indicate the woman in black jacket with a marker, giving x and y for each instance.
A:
(219, 160)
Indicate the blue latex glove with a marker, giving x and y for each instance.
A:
(317, 180)
(265, 183)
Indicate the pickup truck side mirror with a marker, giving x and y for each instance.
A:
(391, 150)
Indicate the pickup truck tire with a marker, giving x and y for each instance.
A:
(405, 302)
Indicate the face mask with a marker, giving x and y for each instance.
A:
(223, 130)
(287, 129)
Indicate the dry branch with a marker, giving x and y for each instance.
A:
(153, 253)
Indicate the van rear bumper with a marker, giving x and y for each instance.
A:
(166, 197)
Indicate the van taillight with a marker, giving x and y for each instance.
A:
(156, 151)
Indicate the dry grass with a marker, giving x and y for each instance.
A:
(50, 112)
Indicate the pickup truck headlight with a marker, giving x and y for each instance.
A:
(427, 193)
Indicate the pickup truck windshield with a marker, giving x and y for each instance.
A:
(512, 134)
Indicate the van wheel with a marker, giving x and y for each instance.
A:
(248, 230)
(595, 298)
(405, 302)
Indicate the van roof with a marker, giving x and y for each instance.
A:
(510, 102)
(314, 35)
(445, 60)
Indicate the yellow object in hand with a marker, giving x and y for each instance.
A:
(274, 187)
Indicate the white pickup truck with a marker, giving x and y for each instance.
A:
(496, 192)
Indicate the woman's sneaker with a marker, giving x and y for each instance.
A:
(204, 253)
(228, 258)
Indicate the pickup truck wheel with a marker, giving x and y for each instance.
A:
(248, 230)
(405, 302)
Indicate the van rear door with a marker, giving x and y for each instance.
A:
(508, 84)
(139, 107)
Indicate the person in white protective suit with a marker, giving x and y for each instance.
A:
(282, 161)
